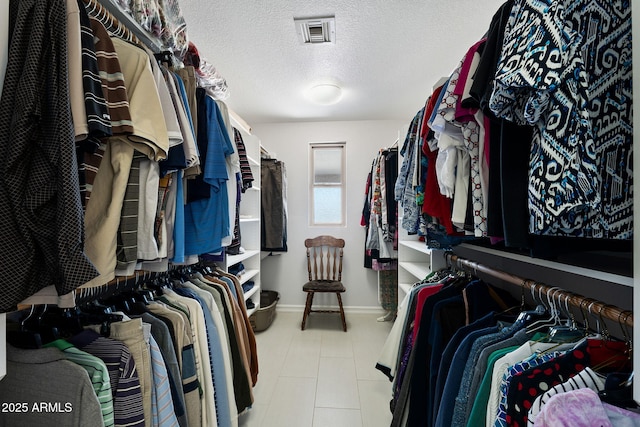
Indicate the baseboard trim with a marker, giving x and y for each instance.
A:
(293, 308)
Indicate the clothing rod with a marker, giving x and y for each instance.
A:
(585, 304)
(121, 24)
(114, 286)
(123, 283)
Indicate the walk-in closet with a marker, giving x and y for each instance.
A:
(300, 214)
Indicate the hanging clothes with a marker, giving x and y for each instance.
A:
(98, 374)
(274, 205)
(456, 358)
(380, 219)
(151, 360)
(245, 167)
(40, 190)
(33, 374)
(404, 189)
(380, 210)
(207, 196)
(98, 120)
(494, 131)
(176, 354)
(125, 382)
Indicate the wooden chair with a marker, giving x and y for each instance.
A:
(324, 262)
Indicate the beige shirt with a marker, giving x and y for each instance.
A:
(74, 58)
(104, 209)
(149, 128)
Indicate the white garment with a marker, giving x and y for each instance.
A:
(49, 295)
(160, 265)
(446, 162)
(184, 121)
(390, 350)
(484, 166)
(466, 92)
(452, 171)
(461, 191)
(147, 209)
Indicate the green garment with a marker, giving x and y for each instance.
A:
(98, 374)
(478, 414)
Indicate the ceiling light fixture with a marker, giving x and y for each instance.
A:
(325, 93)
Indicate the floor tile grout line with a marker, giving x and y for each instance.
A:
(363, 334)
(315, 398)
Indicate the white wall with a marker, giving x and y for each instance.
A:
(287, 273)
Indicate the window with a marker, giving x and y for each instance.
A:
(327, 195)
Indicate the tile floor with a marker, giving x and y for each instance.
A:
(321, 376)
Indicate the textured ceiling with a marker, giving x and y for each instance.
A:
(387, 54)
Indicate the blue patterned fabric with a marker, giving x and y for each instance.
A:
(178, 227)
(437, 237)
(565, 68)
(404, 189)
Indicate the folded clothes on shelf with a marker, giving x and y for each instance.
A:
(237, 269)
(246, 287)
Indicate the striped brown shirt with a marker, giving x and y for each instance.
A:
(113, 87)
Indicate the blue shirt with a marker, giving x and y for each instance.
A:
(207, 212)
(178, 225)
(162, 408)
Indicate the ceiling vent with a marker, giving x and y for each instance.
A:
(316, 30)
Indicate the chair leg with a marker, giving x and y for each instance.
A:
(307, 308)
(344, 322)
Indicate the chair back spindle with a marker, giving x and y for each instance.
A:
(324, 256)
